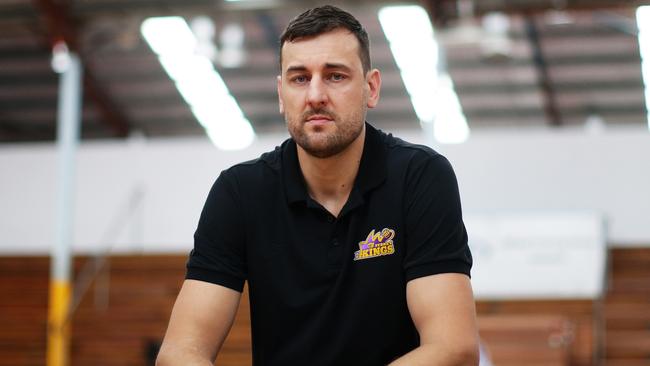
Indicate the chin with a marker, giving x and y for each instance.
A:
(319, 128)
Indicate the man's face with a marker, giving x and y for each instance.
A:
(323, 92)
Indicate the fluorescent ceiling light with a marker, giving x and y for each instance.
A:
(169, 36)
(643, 22)
(198, 82)
(417, 54)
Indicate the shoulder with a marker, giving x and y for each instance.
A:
(258, 170)
(413, 156)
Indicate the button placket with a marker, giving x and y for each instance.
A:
(335, 244)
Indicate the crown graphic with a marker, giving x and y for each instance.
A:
(376, 244)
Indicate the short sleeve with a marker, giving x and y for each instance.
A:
(436, 235)
(219, 241)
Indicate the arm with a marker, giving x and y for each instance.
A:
(442, 308)
(201, 319)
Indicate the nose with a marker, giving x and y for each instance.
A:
(317, 93)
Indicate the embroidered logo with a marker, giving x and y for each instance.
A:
(376, 245)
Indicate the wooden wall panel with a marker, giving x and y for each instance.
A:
(532, 340)
(627, 308)
(23, 316)
(578, 315)
(123, 316)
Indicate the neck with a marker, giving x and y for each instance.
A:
(329, 180)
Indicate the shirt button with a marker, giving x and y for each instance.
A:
(335, 243)
(330, 218)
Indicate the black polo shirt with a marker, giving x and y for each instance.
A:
(328, 290)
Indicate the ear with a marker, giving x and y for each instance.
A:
(374, 85)
(280, 104)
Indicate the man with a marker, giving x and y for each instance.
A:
(351, 240)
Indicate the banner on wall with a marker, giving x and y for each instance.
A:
(537, 255)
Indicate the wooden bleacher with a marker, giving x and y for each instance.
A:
(627, 308)
(123, 322)
(532, 340)
(538, 332)
(23, 310)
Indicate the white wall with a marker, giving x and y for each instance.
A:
(498, 172)
(561, 171)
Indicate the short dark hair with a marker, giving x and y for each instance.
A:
(324, 19)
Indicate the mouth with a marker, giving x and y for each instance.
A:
(319, 119)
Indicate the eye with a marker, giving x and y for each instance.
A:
(299, 79)
(337, 77)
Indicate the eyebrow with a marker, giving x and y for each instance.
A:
(328, 65)
(337, 66)
(296, 68)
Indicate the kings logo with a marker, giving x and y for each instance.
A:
(376, 244)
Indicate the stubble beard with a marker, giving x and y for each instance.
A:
(320, 143)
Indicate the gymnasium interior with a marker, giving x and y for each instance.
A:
(106, 158)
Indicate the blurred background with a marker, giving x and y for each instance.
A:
(117, 116)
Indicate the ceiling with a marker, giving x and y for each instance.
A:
(568, 60)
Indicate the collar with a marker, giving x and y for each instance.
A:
(372, 169)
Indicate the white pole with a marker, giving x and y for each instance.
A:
(68, 122)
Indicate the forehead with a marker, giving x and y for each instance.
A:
(336, 46)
